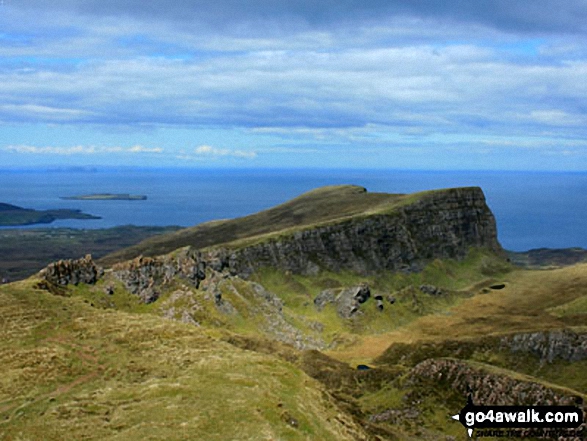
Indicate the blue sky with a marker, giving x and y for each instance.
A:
(486, 84)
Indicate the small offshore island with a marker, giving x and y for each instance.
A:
(106, 197)
(13, 216)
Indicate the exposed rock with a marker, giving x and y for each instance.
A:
(394, 416)
(431, 290)
(346, 300)
(149, 294)
(324, 298)
(316, 326)
(65, 272)
(550, 346)
(181, 306)
(441, 225)
(109, 290)
(380, 305)
(267, 296)
(488, 389)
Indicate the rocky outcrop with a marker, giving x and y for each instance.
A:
(442, 224)
(431, 290)
(346, 300)
(488, 389)
(546, 346)
(146, 276)
(65, 272)
(549, 346)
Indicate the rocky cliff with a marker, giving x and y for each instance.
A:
(440, 224)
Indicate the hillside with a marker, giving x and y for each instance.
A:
(316, 206)
(320, 207)
(252, 328)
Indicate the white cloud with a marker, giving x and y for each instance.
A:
(206, 150)
(79, 150)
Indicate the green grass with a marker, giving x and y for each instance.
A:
(77, 372)
(577, 307)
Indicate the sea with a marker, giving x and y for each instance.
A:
(532, 209)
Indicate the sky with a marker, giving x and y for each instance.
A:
(413, 84)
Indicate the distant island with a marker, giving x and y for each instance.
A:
(106, 197)
(12, 215)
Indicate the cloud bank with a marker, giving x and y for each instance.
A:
(301, 74)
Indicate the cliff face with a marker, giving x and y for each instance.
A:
(443, 224)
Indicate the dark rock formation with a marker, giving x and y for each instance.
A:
(431, 290)
(144, 276)
(65, 272)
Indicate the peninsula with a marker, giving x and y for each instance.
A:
(12, 215)
(106, 197)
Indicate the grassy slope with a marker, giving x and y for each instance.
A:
(114, 375)
(467, 329)
(73, 371)
(317, 206)
(531, 301)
